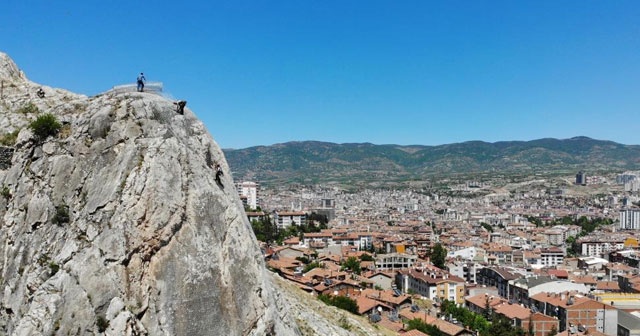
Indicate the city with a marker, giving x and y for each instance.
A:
(546, 255)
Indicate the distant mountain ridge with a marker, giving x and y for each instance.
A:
(315, 161)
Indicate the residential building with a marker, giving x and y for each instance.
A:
(581, 178)
(498, 277)
(630, 219)
(464, 269)
(598, 247)
(628, 324)
(577, 310)
(381, 279)
(434, 284)
(393, 261)
(250, 192)
(552, 256)
(284, 219)
(318, 239)
(519, 316)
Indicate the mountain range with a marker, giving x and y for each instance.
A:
(355, 163)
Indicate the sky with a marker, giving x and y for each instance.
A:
(384, 72)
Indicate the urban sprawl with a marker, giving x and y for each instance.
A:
(543, 256)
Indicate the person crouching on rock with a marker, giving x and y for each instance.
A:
(180, 104)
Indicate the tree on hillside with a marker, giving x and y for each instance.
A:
(439, 255)
(421, 325)
(353, 264)
(264, 229)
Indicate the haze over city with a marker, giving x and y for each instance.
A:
(263, 72)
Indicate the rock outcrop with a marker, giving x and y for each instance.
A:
(116, 225)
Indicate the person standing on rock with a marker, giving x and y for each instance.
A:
(141, 81)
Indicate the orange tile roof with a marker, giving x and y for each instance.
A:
(560, 274)
(283, 263)
(395, 326)
(385, 296)
(608, 285)
(444, 326)
(414, 332)
(512, 311)
(480, 300)
(583, 279)
(578, 301)
(537, 317)
(365, 304)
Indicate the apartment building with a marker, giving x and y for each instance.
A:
(630, 219)
(433, 284)
(362, 240)
(393, 261)
(318, 239)
(578, 311)
(497, 277)
(464, 269)
(248, 192)
(519, 316)
(552, 256)
(600, 248)
(284, 219)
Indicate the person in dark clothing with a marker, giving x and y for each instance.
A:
(180, 104)
(219, 173)
(141, 81)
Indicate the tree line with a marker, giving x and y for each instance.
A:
(267, 231)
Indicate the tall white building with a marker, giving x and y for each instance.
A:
(284, 219)
(630, 219)
(249, 190)
(552, 256)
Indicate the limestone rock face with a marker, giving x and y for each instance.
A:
(117, 226)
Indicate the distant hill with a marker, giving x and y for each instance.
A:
(314, 161)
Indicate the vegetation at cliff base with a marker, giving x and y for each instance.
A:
(62, 215)
(267, 231)
(5, 192)
(45, 125)
(29, 108)
(341, 302)
(9, 139)
(488, 325)
(424, 327)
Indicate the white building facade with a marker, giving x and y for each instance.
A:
(249, 190)
(630, 219)
(284, 219)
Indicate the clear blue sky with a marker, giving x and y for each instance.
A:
(385, 72)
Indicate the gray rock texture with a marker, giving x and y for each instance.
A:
(117, 226)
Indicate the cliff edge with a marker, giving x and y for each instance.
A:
(117, 226)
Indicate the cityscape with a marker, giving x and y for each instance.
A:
(549, 256)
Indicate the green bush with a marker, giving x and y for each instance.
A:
(102, 324)
(45, 125)
(29, 108)
(341, 302)
(9, 139)
(54, 268)
(62, 215)
(5, 192)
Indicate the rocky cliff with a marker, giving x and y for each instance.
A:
(116, 225)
